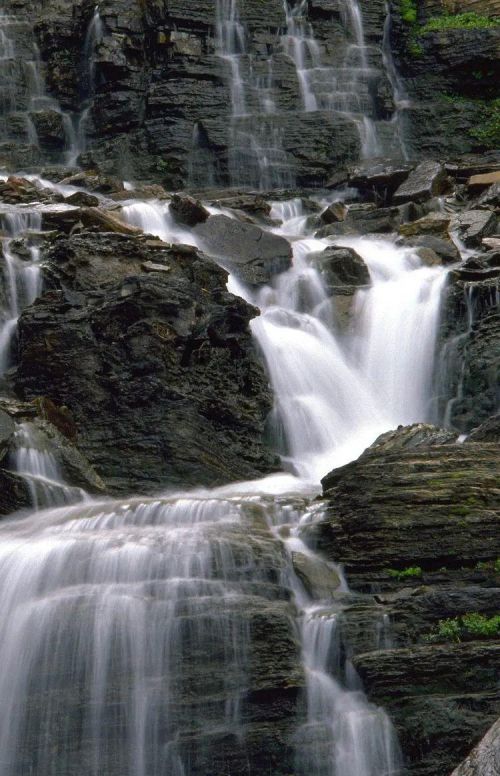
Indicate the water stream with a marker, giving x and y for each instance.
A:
(131, 623)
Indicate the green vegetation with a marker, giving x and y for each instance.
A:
(459, 21)
(487, 130)
(491, 565)
(408, 11)
(469, 626)
(411, 571)
(486, 115)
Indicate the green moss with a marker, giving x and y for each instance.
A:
(487, 129)
(459, 21)
(411, 571)
(408, 10)
(469, 626)
(415, 48)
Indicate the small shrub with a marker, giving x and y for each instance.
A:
(408, 11)
(459, 21)
(469, 626)
(412, 571)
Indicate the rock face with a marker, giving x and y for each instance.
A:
(469, 344)
(254, 255)
(441, 496)
(157, 96)
(484, 760)
(153, 358)
(415, 520)
(449, 76)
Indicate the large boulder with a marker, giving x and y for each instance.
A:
(428, 180)
(342, 269)
(484, 760)
(158, 367)
(251, 253)
(415, 498)
(473, 225)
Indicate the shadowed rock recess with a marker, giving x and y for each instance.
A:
(249, 388)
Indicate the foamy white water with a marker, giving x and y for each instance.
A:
(129, 622)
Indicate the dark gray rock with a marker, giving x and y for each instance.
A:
(445, 248)
(158, 369)
(7, 427)
(473, 225)
(187, 210)
(414, 498)
(428, 180)
(341, 269)
(253, 254)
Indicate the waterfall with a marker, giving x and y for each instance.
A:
(131, 623)
(334, 395)
(399, 95)
(23, 91)
(342, 89)
(129, 627)
(93, 37)
(22, 278)
(35, 460)
(256, 155)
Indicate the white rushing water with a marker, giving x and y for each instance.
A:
(131, 623)
(22, 278)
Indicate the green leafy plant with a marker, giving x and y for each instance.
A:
(459, 21)
(469, 626)
(408, 9)
(411, 571)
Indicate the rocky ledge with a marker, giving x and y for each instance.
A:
(415, 522)
(153, 359)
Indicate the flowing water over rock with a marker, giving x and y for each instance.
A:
(141, 633)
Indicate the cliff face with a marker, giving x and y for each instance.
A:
(150, 91)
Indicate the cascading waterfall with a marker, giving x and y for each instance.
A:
(22, 277)
(93, 37)
(334, 395)
(23, 91)
(256, 155)
(36, 462)
(342, 89)
(129, 639)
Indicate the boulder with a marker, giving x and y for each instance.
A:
(82, 199)
(158, 368)
(251, 253)
(432, 223)
(381, 179)
(320, 580)
(187, 210)
(445, 248)
(473, 225)
(483, 181)
(414, 498)
(333, 213)
(490, 199)
(484, 760)
(427, 180)
(341, 268)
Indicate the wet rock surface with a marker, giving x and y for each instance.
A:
(157, 367)
(415, 522)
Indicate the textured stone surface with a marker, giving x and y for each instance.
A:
(158, 368)
(415, 498)
(484, 760)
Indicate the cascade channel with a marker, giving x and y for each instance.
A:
(132, 627)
